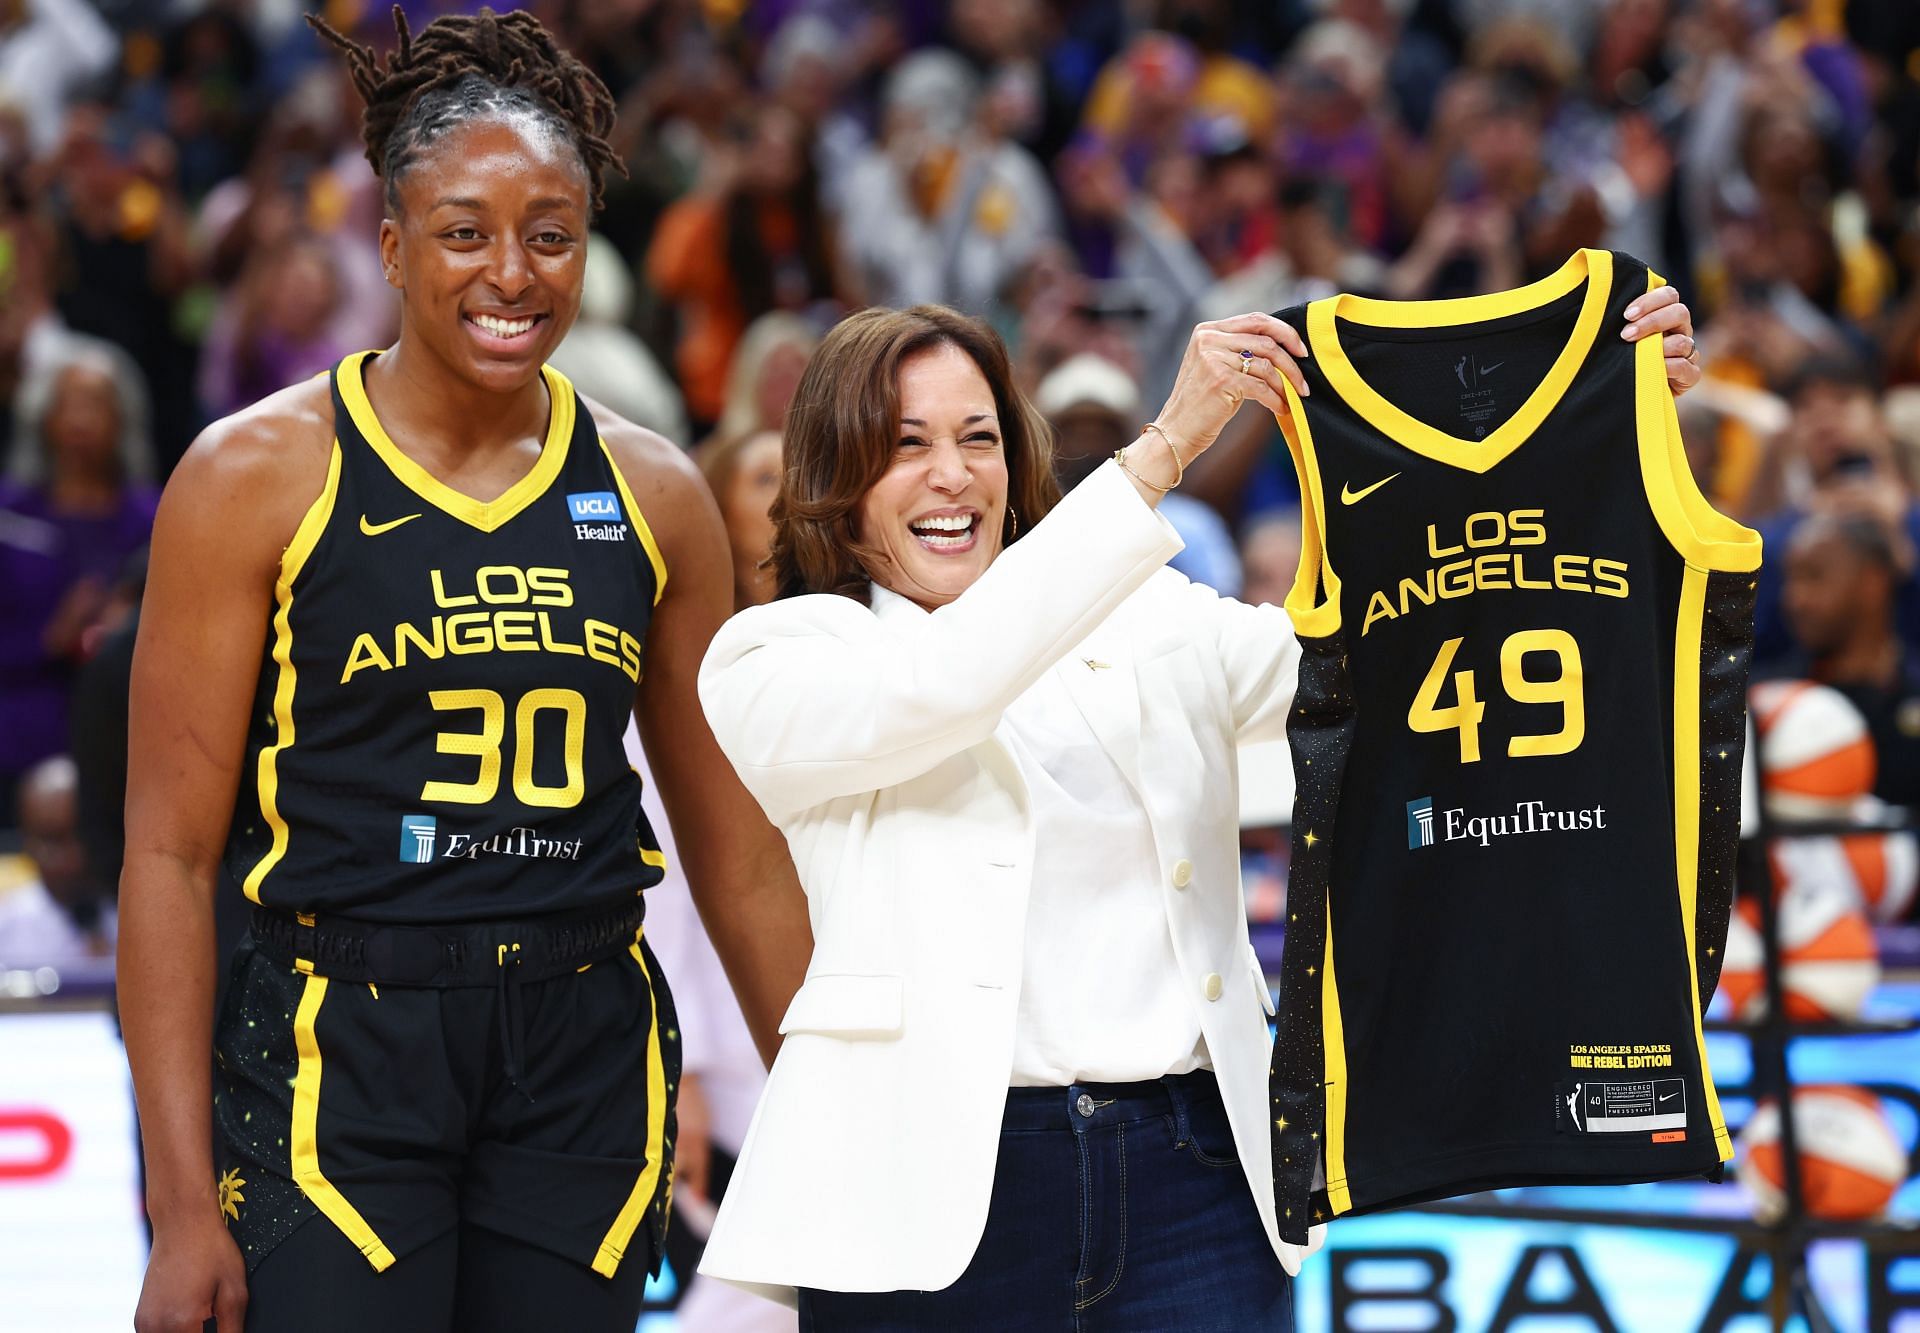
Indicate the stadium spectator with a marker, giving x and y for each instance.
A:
(765, 371)
(1840, 596)
(751, 237)
(1094, 409)
(606, 360)
(1836, 457)
(942, 209)
(61, 919)
(79, 500)
(743, 472)
(276, 327)
(124, 256)
(50, 50)
(1270, 557)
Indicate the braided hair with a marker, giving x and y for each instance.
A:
(463, 66)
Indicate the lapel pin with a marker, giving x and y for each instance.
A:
(1093, 665)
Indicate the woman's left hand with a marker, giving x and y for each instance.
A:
(1662, 311)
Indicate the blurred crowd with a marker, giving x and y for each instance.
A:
(187, 223)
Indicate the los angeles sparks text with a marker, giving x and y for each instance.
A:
(1496, 564)
(496, 625)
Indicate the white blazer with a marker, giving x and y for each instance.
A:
(872, 738)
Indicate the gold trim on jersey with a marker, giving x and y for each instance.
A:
(614, 1247)
(1704, 537)
(639, 524)
(305, 1149)
(486, 515)
(1594, 267)
(1686, 809)
(1333, 1038)
(267, 775)
(1315, 612)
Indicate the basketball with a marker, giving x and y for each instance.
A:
(1879, 870)
(1816, 757)
(1829, 964)
(1851, 1162)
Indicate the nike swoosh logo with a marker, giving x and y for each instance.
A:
(375, 529)
(1669, 1097)
(1349, 496)
(1488, 370)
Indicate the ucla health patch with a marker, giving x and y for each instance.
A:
(594, 507)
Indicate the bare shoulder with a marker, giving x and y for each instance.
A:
(664, 481)
(253, 475)
(273, 453)
(651, 463)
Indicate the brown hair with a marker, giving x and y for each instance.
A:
(844, 426)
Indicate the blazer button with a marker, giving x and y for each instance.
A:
(1182, 873)
(1212, 985)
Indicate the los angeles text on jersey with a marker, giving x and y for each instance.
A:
(498, 623)
(1456, 825)
(1491, 556)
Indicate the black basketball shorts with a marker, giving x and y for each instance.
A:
(539, 1109)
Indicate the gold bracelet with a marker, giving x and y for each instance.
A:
(1179, 464)
(1120, 457)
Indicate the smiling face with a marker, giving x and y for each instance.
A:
(490, 247)
(938, 512)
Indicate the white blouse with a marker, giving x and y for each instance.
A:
(1101, 996)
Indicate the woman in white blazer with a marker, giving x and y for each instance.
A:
(1024, 1083)
(1025, 1078)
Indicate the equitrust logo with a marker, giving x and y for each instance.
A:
(417, 834)
(1420, 823)
(1426, 826)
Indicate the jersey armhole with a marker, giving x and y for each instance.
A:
(1702, 535)
(640, 527)
(1313, 603)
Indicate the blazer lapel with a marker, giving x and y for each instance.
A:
(1100, 678)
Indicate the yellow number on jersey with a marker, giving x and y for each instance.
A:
(573, 705)
(1464, 716)
(1567, 688)
(485, 745)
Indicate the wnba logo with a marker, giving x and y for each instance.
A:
(1420, 823)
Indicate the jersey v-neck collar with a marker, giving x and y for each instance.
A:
(486, 515)
(1594, 267)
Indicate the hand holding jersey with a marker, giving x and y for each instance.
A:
(1227, 362)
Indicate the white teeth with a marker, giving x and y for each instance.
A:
(503, 328)
(951, 523)
(959, 540)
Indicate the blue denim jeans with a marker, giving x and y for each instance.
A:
(1116, 1206)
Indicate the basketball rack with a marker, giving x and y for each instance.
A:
(1785, 1242)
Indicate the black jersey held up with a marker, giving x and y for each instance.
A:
(1517, 742)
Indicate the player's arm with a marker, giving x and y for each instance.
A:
(232, 505)
(736, 862)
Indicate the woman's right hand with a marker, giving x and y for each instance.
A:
(195, 1273)
(1228, 362)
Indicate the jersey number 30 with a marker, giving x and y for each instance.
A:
(1566, 688)
(485, 745)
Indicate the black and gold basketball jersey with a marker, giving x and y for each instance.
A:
(436, 733)
(1517, 742)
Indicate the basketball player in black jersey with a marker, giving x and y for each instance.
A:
(396, 620)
